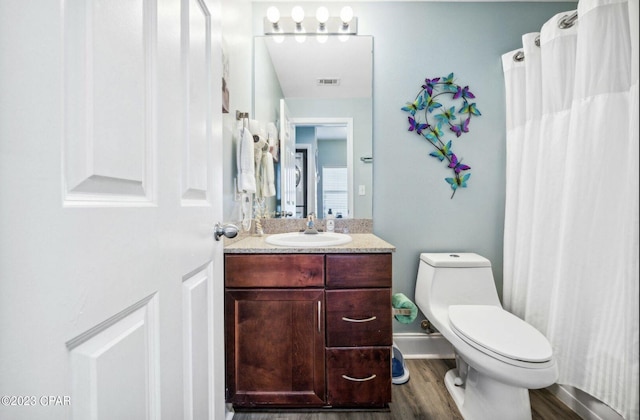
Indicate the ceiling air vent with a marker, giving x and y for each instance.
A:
(328, 82)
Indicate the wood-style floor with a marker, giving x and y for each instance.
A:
(424, 397)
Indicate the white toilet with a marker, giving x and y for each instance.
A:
(499, 357)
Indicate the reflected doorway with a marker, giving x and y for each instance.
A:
(326, 145)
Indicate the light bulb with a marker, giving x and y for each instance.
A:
(346, 14)
(322, 14)
(273, 14)
(297, 14)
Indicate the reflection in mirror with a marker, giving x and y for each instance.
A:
(319, 96)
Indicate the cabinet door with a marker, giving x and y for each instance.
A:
(275, 347)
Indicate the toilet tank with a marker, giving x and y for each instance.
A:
(446, 279)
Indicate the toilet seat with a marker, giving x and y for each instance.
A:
(500, 334)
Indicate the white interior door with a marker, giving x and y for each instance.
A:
(287, 161)
(110, 179)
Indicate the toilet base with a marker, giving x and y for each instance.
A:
(484, 398)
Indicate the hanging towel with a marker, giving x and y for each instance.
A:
(270, 189)
(400, 301)
(272, 139)
(245, 162)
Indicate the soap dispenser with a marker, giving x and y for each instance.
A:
(330, 222)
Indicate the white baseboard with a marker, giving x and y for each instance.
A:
(228, 412)
(423, 346)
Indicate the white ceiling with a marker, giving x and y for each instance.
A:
(300, 65)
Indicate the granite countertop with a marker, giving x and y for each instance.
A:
(361, 243)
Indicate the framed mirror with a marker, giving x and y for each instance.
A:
(319, 96)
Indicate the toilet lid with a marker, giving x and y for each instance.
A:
(494, 329)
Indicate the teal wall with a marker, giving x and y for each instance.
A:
(412, 208)
(411, 205)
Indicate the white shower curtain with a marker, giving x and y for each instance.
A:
(571, 212)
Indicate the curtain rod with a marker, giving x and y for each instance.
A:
(566, 22)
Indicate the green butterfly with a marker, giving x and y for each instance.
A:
(469, 109)
(447, 115)
(435, 134)
(416, 105)
(443, 152)
(448, 85)
(458, 181)
(431, 103)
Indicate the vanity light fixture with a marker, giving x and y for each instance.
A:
(346, 15)
(322, 15)
(343, 25)
(297, 14)
(273, 16)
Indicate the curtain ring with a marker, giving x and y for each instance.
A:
(568, 21)
(519, 56)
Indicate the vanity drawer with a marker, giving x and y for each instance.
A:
(360, 317)
(359, 376)
(274, 270)
(358, 270)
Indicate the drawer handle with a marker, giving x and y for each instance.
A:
(349, 378)
(373, 318)
(319, 316)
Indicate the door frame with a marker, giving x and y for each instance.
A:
(334, 121)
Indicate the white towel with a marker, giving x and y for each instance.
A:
(272, 134)
(259, 146)
(269, 188)
(245, 162)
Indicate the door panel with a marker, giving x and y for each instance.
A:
(196, 61)
(109, 111)
(99, 384)
(111, 284)
(197, 310)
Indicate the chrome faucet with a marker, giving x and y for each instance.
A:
(311, 228)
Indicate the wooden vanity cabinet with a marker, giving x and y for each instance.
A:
(274, 330)
(359, 330)
(305, 330)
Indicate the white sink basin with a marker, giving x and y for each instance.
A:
(303, 240)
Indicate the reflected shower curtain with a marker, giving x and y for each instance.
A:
(571, 211)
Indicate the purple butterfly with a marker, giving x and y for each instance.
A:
(457, 166)
(464, 92)
(418, 127)
(429, 84)
(461, 128)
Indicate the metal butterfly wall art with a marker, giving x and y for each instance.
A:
(437, 106)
